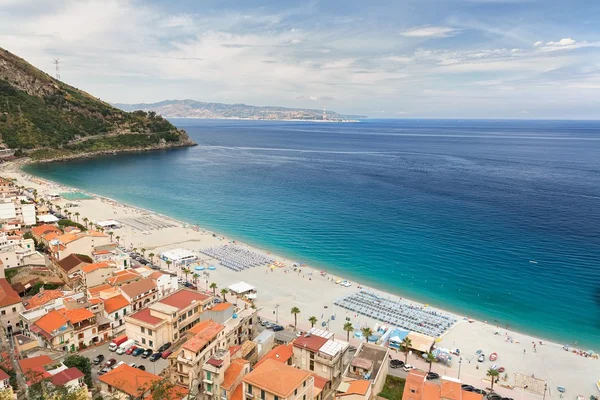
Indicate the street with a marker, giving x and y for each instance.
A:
(153, 367)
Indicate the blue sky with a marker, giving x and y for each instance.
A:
(385, 59)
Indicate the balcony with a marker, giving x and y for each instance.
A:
(186, 361)
(209, 381)
(249, 395)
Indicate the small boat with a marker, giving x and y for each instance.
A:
(493, 356)
(533, 261)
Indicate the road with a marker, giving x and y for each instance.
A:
(153, 367)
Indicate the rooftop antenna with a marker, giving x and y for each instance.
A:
(56, 60)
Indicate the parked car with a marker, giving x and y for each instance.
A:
(277, 328)
(467, 388)
(164, 347)
(166, 354)
(481, 357)
(408, 367)
(147, 353)
(216, 300)
(138, 351)
(103, 371)
(118, 364)
(396, 364)
(99, 358)
(110, 363)
(264, 322)
(132, 365)
(155, 356)
(131, 350)
(432, 375)
(141, 367)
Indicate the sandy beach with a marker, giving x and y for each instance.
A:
(280, 289)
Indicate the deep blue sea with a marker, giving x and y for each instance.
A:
(447, 212)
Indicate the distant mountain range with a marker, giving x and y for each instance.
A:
(199, 109)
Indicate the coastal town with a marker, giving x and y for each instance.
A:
(103, 300)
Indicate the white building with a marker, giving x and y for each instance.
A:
(179, 256)
(13, 209)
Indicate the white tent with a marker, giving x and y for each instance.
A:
(47, 219)
(178, 256)
(111, 223)
(241, 288)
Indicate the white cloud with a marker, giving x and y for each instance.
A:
(538, 43)
(430, 31)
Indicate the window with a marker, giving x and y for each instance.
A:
(304, 383)
(312, 365)
(263, 395)
(189, 313)
(209, 387)
(413, 390)
(150, 343)
(208, 375)
(276, 398)
(124, 312)
(295, 392)
(250, 389)
(3, 312)
(149, 332)
(143, 340)
(143, 330)
(14, 309)
(304, 397)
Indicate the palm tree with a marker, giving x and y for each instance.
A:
(169, 262)
(151, 255)
(348, 327)
(224, 291)
(186, 271)
(295, 311)
(367, 332)
(134, 249)
(313, 321)
(118, 238)
(492, 373)
(85, 220)
(143, 252)
(111, 233)
(77, 216)
(195, 276)
(214, 286)
(430, 359)
(406, 344)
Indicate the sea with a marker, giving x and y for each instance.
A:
(494, 220)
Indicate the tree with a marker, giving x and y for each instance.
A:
(313, 321)
(367, 332)
(186, 271)
(118, 238)
(85, 220)
(143, 252)
(13, 377)
(430, 359)
(135, 250)
(111, 233)
(406, 345)
(159, 390)
(77, 215)
(492, 373)
(214, 286)
(295, 311)
(169, 262)
(224, 291)
(83, 364)
(151, 255)
(349, 328)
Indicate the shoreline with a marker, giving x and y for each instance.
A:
(445, 338)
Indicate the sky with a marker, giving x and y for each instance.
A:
(537, 59)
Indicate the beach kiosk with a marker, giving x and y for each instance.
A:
(47, 219)
(109, 224)
(243, 289)
(179, 256)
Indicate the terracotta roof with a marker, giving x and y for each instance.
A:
(413, 387)
(43, 298)
(66, 376)
(68, 238)
(8, 296)
(155, 275)
(95, 291)
(43, 229)
(221, 307)
(432, 391)
(232, 373)
(144, 316)
(135, 289)
(320, 382)
(183, 298)
(205, 331)
(33, 368)
(121, 277)
(3, 375)
(71, 262)
(234, 349)
(115, 303)
(100, 252)
(312, 342)
(247, 347)
(237, 393)
(276, 378)
(132, 381)
(51, 322)
(51, 236)
(96, 301)
(76, 315)
(451, 389)
(93, 267)
(281, 353)
(359, 386)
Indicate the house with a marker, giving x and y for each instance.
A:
(370, 362)
(140, 293)
(116, 308)
(19, 209)
(123, 277)
(96, 274)
(283, 353)
(5, 385)
(317, 351)
(264, 341)
(33, 368)
(102, 291)
(417, 387)
(234, 373)
(29, 316)
(165, 283)
(273, 380)
(127, 382)
(24, 344)
(42, 233)
(220, 375)
(166, 320)
(69, 268)
(10, 305)
(112, 254)
(72, 378)
(358, 389)
(16, 251)
(8, 188)
(76, 243)
(44, 297)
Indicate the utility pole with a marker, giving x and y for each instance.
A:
(56, 60)
(459, 363)
(276, 313)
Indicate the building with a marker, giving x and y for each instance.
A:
(44, 297)
(45, 233)
(141, 293)
(283, 353)
(69, 268)
(116, 308)
(8, 188)
(33, 368)
(30, 315)
(273, 380)
(417, 387)
(127, 382)
(71, 378)
(76, 243)
(123, 277)
(165, 283)
(16, 251)
(317, 351)
(5, 384)
(167, 320)
(179, 256)
(264, 342)
(112, 254)
(359, 389)
(221, 375)
(234, 373)
(18, 209)
(10, 306)
(96, 274)
(370, 362)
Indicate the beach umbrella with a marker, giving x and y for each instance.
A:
(212, 267)
(199, 268)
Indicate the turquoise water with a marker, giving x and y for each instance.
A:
(447, 212)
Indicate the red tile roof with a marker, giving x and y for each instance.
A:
(233, 372)
(66, 376)
(183, 298)
(222, 307)
(237, 393)
(135, 289)
(130, 380)
(51, 322)
(95, 291)
(121, 277)
(205, 332)
(39, 231)
(43, 298)
(277, 378)
(76, 315)
(93, 267)
(71, 262)
(115, 303)
(8, 296)
(281, 353)
(312, 342)
(359, 386)
(33, 368)
(3, 375)
(144, 316)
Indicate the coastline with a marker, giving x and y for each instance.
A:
(462, 335)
